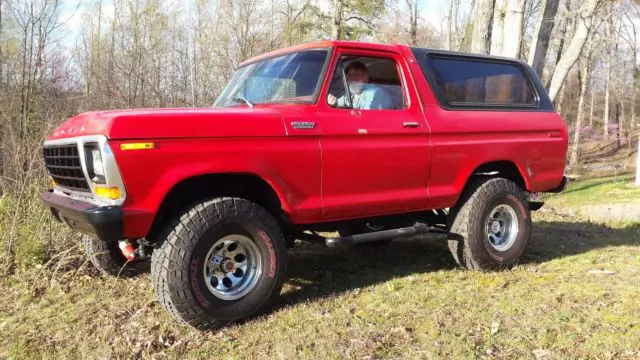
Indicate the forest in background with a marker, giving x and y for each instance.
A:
(150, 53)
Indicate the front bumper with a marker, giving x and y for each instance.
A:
(104, 222)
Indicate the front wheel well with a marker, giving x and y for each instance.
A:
(195, 189)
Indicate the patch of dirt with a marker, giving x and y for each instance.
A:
(611, 212)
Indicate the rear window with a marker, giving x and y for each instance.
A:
(474, 82)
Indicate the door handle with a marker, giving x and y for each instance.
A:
(410, 124)
(554, 134)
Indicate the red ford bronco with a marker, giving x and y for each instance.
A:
(367, 141)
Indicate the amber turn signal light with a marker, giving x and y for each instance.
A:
(137, 146)
(111, 193)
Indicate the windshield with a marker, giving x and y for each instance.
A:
(289, 78)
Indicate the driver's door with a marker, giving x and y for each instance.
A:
(374, 162)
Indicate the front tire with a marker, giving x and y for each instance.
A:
(490, 226)
(224, 259)
(107, 258)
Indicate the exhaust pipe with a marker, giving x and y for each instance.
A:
(381, 235)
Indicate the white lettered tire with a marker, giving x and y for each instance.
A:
(223, 259)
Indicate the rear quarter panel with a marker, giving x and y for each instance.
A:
(535, 140)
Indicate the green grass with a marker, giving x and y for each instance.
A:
(612, 189)
(404, 301)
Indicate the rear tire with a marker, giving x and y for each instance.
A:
(224, 259)
(490, 226)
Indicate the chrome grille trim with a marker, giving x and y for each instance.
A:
(112, 173)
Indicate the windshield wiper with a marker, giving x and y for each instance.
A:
(244, 100)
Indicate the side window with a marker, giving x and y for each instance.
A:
(366, 83)
(477, 82)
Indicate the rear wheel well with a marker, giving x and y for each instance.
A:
(195, 189)
(504, 169)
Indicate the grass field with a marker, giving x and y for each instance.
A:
(610, 199)
(575, 295)
(611, 189)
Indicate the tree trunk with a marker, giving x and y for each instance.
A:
(559, 102)
(618, 124)
(634, 73)
(593, 95)
(632, 125)
(512, 38)
(621, 123)
(607, 80)
(413, 30)
(542, 35)
(2, 141)
(98, 52)
(1, 69)
(569, 58)
(451, 24)
(482, 23)
(584, 80)
(336, 25)
(497, 27)
(607, 91)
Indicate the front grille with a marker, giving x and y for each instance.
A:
(63, 164)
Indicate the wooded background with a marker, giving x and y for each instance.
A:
(150, 53)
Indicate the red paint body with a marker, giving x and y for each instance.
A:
(331, 172)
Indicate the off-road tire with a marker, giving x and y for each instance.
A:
(177, 263)
(467, 238)
(107, 258)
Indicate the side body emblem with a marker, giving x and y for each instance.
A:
(303, 124)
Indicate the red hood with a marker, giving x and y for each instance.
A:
(174, 123)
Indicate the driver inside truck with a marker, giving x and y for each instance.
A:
(364, 95)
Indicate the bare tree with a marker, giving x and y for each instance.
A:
(593, 95)
(413, 20)
(568, 59)
(452, 24)
(336, 24)
(482, 24)
(2, 81)
(36, 21)
(632, 40)
(584, 81)
(607, 81)
(513, 21)
(497, 26)
(542, 35)
(293, 24)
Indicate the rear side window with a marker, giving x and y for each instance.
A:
(478, 83)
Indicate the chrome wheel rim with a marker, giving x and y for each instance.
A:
(502, 227)
(232, 267)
